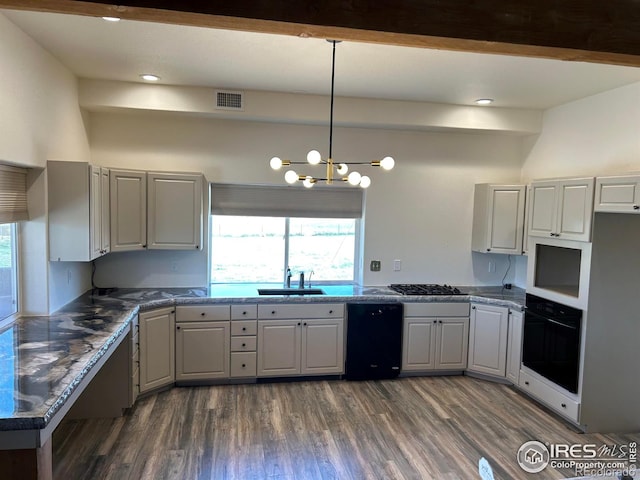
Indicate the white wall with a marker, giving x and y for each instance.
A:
(598, 135)
(39, 120)
(419, 213)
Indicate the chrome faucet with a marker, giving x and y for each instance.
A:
(301, 281)
(288, 277)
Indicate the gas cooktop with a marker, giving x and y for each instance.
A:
(424, 289)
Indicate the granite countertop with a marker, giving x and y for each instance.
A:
(44, 359)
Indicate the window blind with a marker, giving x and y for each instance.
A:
(284, 201)
(13, 194)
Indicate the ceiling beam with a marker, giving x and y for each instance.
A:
(599, 31)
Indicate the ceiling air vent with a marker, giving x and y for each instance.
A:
(227, 100)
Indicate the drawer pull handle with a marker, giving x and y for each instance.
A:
(563, 405)
(526, 383)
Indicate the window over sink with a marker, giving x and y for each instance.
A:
(258, 231)
(256, 249)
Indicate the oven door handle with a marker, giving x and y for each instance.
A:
(555, 322)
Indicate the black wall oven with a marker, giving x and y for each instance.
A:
(551, 341)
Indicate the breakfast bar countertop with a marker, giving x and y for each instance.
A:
(43, 359)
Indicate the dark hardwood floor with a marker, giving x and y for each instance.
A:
(411, 428)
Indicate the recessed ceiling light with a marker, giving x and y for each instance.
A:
(149, 77)
(111, 19)
(484, 101)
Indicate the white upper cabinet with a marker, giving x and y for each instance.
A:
(174, 211)
(498, 218)
(77, 212)
(128, 210)
(156, 211)
(618, 194)
(562, 209)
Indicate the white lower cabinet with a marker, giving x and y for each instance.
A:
(244, 340)
(550, 396)
(203, 342)
(514, 346)
(300, 340)
(157, 348)
(435, 336)
(488, 339)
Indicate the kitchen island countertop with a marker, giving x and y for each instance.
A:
(43, 359)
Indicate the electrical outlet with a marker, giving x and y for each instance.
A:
(375, 265)
(397, 265)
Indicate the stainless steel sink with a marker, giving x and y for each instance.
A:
(290, 291)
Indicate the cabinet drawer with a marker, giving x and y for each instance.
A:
(202, 313)
(243, 344)
(551, 397)
(243, 364)
(318, 310)
(244, 327)
(244, 312)
(436, 309)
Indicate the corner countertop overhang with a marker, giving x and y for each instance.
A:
(45, 359)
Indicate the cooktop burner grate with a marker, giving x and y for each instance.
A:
(424, 289)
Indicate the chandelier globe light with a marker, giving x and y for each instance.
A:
(334, 171)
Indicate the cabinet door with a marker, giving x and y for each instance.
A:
(279, 347)
(128, 210)
(157, 348)
(488, 339)
(618, 194)
(95, 211)
(452, 343)
(514, 347)
(543, 214)
(174, 211)
(575, 209)
(322, 346)
(506, 207)
(202, 350)
(105, 217)
(419, 344)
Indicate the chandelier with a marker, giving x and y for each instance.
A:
(334, 171)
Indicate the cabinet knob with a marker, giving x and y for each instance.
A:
(178, 327)
(298, 323)
(435, 321)
(244, 329)
(305, 324)
(330, 311)
(244, 344)
(144, 246)
(439, 321)
(563, 405)
(244, 365)
(488, 249)
(273, 312)
(203, 314)
(197, 246)
(552, 234)
(636, 207)
(473, 308)
(526, 383)
(244, 313)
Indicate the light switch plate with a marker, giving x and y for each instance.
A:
(375, 265)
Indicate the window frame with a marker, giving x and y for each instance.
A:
(357, 257)
(15, 287)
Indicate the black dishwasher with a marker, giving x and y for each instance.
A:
(374, 341)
